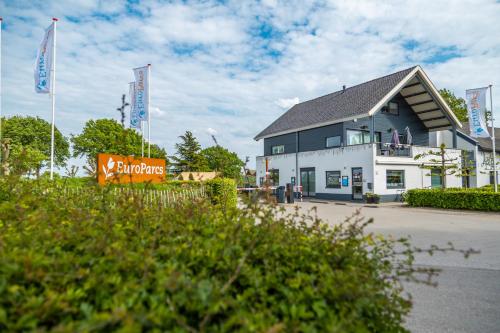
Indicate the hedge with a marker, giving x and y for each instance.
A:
(73, 264)
(222, 191)
(472, 199)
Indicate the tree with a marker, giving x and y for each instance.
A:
(30, 139)
(189, 157)
(222, 160)
(459, 166)
(456, 104)
(109, 136)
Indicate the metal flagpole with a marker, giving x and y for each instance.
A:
(142, 138)
(495, 176)
(53, 92)
(149, 110)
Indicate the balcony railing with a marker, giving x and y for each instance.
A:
(387, 149)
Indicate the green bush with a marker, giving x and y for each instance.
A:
(473, 199)
(222, 191)
(72, 263)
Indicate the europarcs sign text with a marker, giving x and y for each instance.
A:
(129, 169)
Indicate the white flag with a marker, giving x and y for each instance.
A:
(135, 122)
(142, 92)
(476, 107)
(43, 64)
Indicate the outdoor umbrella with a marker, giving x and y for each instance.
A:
(409, 138)
(395, 139)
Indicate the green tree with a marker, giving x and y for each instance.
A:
(456, 104)
(109, 136)
(222, 160)
(30, 140)
(459, 166)
(189, 157)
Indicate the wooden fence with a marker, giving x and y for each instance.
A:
(149, 197)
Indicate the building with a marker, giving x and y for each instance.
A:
(341, 145)
(479, 152)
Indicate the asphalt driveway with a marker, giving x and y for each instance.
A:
(467, 298)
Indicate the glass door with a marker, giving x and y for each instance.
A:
(308, 182)
(357, 183)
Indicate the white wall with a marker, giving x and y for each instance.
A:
(345, 158)
(340, 159)
(415, 176)
(484, 166)
(336, 159)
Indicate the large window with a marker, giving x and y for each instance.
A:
(357, 137)
(333, 141)
(333, 179)
(278, 149)
(395, 179)
(436, 178)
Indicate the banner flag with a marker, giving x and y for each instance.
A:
(142, 92)
(43, 64)
(135, 122)
(476, 108)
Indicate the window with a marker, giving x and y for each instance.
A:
(357, 137)
(333, 179)
(395, 179)
(436, 179)
(333, 141)
(391, 108)
(278, 149)
(274, 177)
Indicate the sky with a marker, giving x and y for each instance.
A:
(230, 68)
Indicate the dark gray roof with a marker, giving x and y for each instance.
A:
(484, 143)
(354, 101)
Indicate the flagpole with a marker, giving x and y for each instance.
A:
(53, 93)
(142, 138)
(495, 176)
(149, 110)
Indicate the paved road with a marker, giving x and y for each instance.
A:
(467, 298)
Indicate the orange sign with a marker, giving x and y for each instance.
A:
(128, 169)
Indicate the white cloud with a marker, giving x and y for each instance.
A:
(229, 66)
(211, 131)
(287, 103)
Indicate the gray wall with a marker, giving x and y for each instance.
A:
(314, 139)
(288, 140)
(384, 122)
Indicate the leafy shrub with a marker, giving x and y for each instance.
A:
(473, 199)
(71, 263)
(222, 191)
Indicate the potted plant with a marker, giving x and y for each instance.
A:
(372, 198)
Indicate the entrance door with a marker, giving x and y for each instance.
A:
(357, 183)
(308, 182)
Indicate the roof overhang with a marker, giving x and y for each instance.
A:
(424, 99)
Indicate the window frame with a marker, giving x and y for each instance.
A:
(387, 109)
(333, 136)
(377, 136)
(436, 173)
(397, 187)
(277, 146)
(339, 179)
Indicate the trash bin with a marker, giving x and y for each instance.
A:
(280, 194)
(289, 193)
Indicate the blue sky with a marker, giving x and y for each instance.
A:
(230, 68)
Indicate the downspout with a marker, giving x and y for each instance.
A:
(454, 137)
(296, 158)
